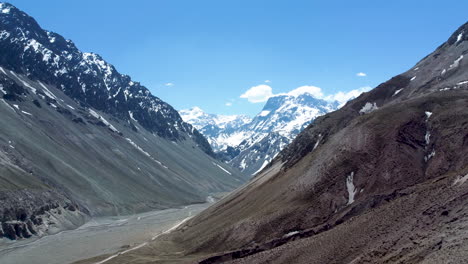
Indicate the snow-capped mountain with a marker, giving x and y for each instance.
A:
(79, 139)
(250, 144)
(216, 128)
(288, 114)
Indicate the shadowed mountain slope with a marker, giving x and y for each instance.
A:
(79, 139)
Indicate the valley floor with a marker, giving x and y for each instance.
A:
(99, 236)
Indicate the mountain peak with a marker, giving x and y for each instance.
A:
(5, 8)
(304, 90)
(460, 35)
(85, 77)
(249, 144)
(192, 113)
(196, 109)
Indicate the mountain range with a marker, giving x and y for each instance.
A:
(249, 144)
(79, 139)
(384, 179)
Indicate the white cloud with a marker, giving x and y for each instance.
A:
(258, 94)
(169, 84)
(228, 104)
(267, 81)
(261, 93)
(361, 74)
(343, 97)
(313, 90)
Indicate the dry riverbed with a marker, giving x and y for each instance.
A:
(99, 236)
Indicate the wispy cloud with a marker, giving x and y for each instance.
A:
(228, 104)
(262, 92)
(267, 81)
(361, 74)
(258, 94)
(312, 90)
(169, 84)
(343, 97)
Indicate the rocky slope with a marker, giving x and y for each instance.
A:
(382, 180)
(79, 139)
(250, 144)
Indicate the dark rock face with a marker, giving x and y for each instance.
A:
(85, 77)
(12, 91)
(22, 217)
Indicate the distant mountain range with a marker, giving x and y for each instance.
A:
(218, 129)
(250, 144)
(79, 139)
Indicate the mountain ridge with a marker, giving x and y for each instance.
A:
(249, 144)
(79, 140)
(74, 70)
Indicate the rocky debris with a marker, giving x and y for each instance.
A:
(23, 217)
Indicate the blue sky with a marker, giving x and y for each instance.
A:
(212, 52)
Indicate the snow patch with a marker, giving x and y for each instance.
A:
(130, 113)
(47, 91)
(427, 137)
(428, 115)
(210, 199)
(397, 91)
(412, 79)
(24, 83)
(368, 107)
(26, 113)
(96, 115)
(261, 168)
(290, 234)
(318, 142)
(351, 188)
(460, 180)
(9, 106)
(459, 37)
(222, 168)
(145, 153)
(428, 157)
(264, 113)
(4, 10)
(4, 35)
(456, 62)
(243, 164)
(137, 147)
